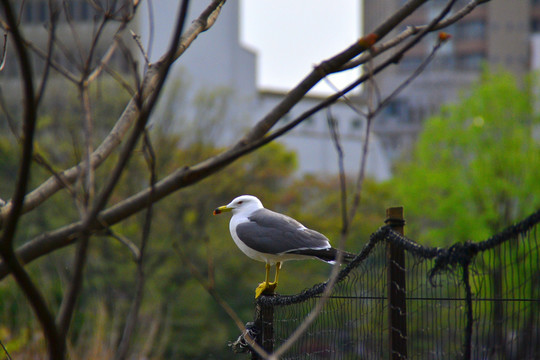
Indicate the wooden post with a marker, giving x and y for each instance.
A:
(264, 316)
(397, 307)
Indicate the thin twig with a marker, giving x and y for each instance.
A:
(134, 64)
(149, 45)
(86, 70)
(371, 90)
(53, 19)
(224, 305)
(67, 308)
(69, 300)
(5, 350)
(41, 161)
(332, 125)
(88, 127)
(135, 252)
(74, 32)
(103, 61)
(11, 122)
(137, 40)
(120, 80)
(419, 70)
(345, 98)
(62, 70)
(4, 53)
(132, 318)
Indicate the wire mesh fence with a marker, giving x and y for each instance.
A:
(467, 301)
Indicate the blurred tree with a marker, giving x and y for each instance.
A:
(476, 166)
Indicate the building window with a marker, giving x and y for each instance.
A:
(535, 25)
(446, 62)
(356, 124)
(286, 118)
(395, 108)
(410, 62)
(471, 61)
(37, 12)
(471, 30)
(42, 11)
(85, 11)
(310, 121)
(27, 13)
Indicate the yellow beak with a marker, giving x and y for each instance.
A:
(221, 209)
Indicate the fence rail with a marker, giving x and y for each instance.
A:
(469, 300)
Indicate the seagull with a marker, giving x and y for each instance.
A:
(273, 238)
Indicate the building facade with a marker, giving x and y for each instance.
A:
(498, 34)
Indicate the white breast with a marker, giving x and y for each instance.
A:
(235, 221)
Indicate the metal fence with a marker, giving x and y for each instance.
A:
(401, 300)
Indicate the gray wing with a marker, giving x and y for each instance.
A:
(273, 233)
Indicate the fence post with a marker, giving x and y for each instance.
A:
(397, 309)
(264, 316)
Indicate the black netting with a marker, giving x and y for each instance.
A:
(467, 301)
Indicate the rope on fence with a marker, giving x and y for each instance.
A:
(445, 258)
(457, 256)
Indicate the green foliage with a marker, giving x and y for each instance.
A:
(476, 166)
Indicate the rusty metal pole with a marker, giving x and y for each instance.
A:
(397, 291)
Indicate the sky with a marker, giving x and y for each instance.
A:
(289, 36)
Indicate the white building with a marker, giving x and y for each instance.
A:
(218, 60)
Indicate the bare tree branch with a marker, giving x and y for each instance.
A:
(111, 142)
(55, 344)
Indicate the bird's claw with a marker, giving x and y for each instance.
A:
(265, 288)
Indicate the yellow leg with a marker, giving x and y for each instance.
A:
(278, 267)
(266, 286)
(267, 266)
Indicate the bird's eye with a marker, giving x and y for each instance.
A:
(240, 202)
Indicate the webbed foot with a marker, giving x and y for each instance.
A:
(265, 288)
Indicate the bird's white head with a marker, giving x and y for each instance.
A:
(242, 204)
